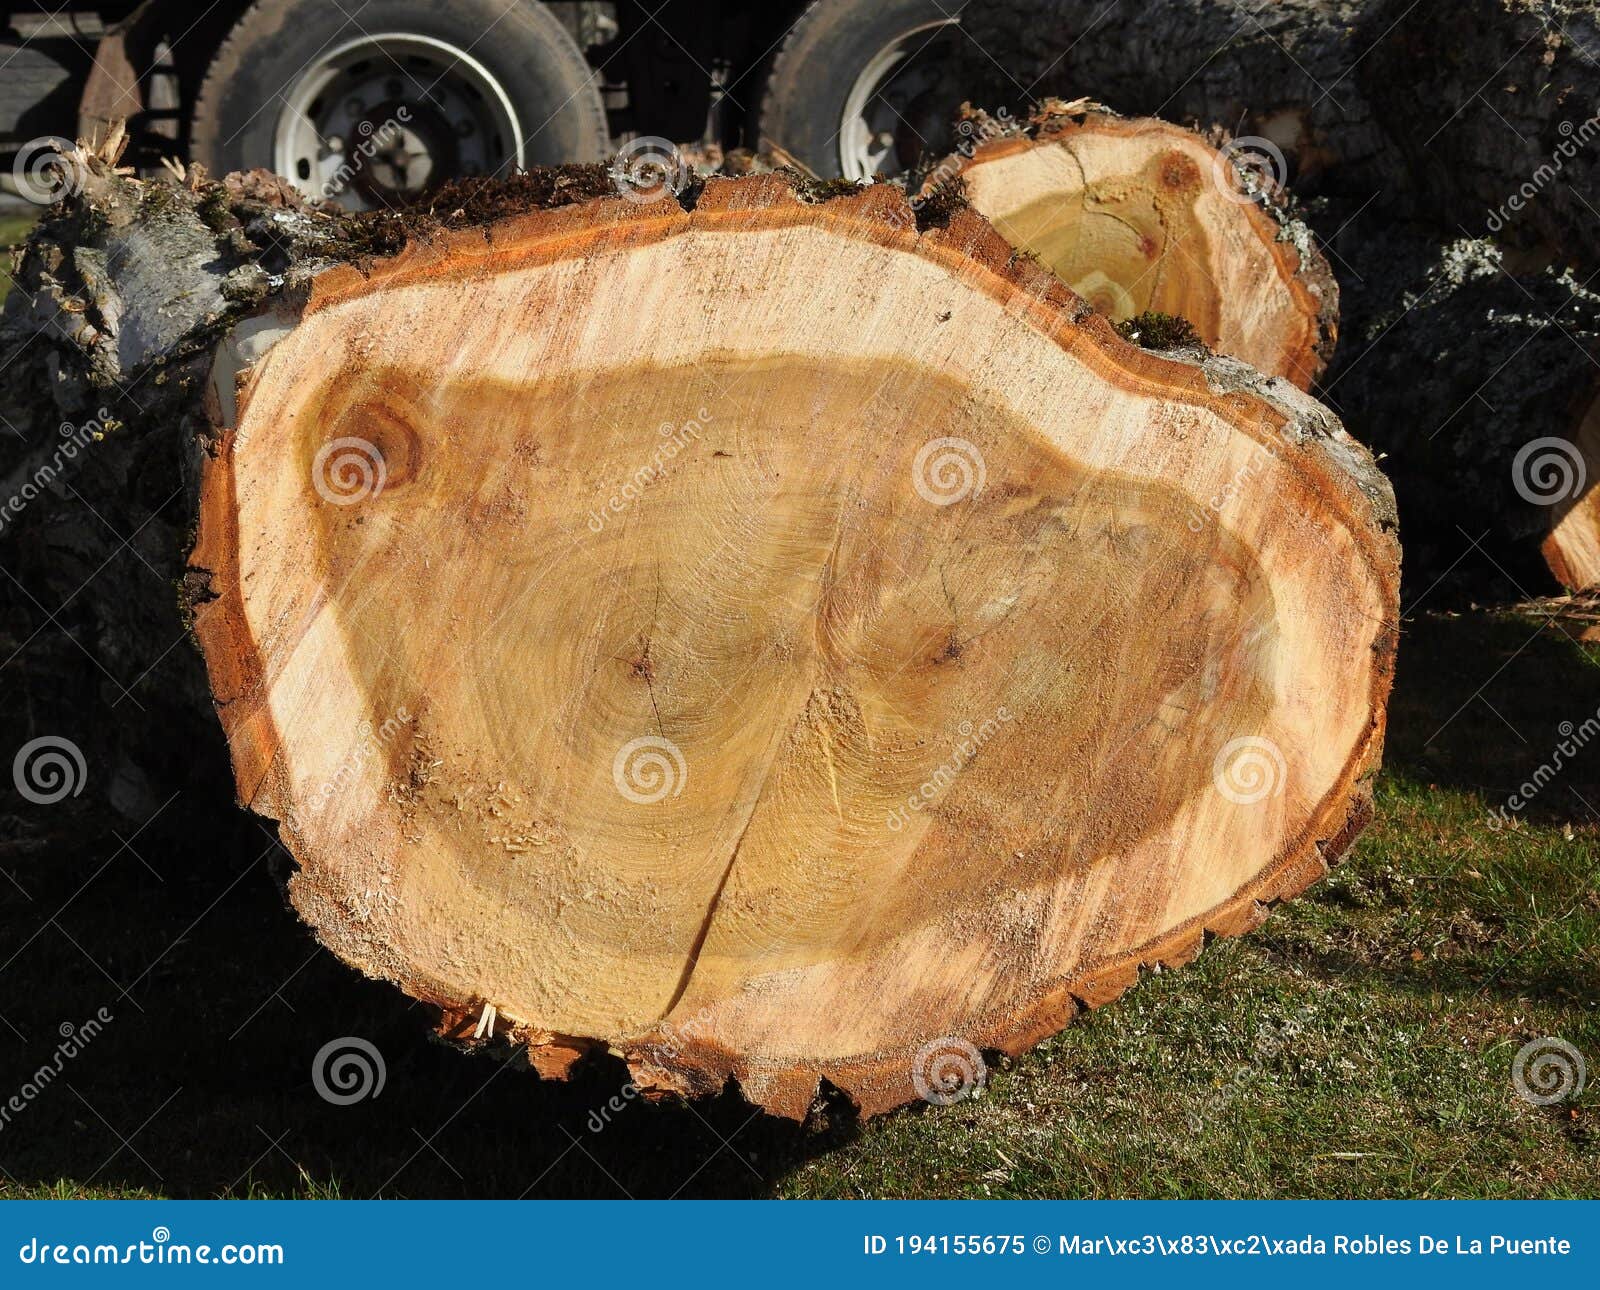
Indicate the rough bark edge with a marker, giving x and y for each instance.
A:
(1463, 358)
(1271, 213)
(661, 1060)
(216, 251)
(880, 1082)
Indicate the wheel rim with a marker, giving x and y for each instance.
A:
(892, 106)
(381, 118)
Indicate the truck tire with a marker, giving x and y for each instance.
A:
(374, 112)
(862, 89)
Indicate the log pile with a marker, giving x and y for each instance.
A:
(804, 635)
(1290, 72)
(1493, 106)
(780, 634)
(1403, 127)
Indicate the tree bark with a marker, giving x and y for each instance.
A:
(1286, 71)
(1140, 216)
(755, 634)
(1495, 105)
(1478, 386)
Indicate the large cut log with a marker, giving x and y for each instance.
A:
(751, 634)
(1142, 215)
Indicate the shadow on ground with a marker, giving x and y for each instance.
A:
(1479, 704)
(201, 1083)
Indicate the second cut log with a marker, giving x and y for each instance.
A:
(1141, 215)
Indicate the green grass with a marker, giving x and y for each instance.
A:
(14, 226)
(1412, 976)
(1410, 985)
